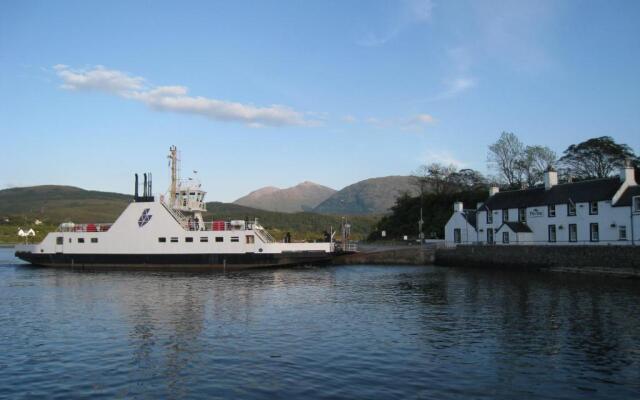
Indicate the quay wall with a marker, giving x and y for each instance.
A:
(416, 255)
(611, 260)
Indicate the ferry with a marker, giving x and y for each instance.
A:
(170, 232)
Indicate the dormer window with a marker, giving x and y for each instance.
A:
(552, 210)
(522, 214)
(505, 214)
(636, 204)
(489, 217)
(571, 209)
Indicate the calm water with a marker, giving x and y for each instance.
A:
(339, 332)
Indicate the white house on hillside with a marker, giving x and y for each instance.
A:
(599, 211)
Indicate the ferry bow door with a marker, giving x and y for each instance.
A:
(59, 244)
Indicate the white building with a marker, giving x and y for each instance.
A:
(599, 211)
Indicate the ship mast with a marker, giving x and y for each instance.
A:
(173, 160)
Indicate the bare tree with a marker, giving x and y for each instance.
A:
(434, 176)
(505, 157)
(534, 161)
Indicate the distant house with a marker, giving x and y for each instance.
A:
(599, 211)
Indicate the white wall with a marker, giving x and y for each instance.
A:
(467, 231)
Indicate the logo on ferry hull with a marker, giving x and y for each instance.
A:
(144, 218)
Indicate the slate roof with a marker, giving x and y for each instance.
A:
(578, 192)
(625, 199)
(517, 227)
(470, 216)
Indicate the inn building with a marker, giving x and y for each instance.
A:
(594, 212)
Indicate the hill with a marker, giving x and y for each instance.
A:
(368, 197)
(302, 197)
(55, 204)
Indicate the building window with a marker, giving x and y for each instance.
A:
(551, 210)
(219, 239)
(490, 236)
(505, 237)
(235, 239)
(94, 240)
(552, 233)
(505, 214)
(204, 239)
(489, 217)
(571, 209)
(522, 214)
(174, 240)
(594, 232)
(622, 232)
(573, 232)
(162, 239)
(457, 236)
(59, 240)
(188, 239)
(80, 240)
(250, 239)
(636, 204)
(593, 208)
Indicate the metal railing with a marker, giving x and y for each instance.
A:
(71, 227)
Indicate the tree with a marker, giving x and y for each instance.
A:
(435, 176)
(534, 161)
(596, 158)
(505, 157)
(467, 179)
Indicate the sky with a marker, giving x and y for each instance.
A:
(273, 93)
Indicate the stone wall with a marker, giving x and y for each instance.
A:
(417, 255)
(616, 260)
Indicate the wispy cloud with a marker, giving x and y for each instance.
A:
(443, 157)
(177, 98)
(408, 13)
(417, 122)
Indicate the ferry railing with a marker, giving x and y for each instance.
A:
(71, 227)
(178, 216)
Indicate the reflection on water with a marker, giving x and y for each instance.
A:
(339, 332)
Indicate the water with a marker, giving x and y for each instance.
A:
(338, 332)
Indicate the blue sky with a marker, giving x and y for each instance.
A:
(275, 93)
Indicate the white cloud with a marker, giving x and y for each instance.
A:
(416, 123)
(177, 99)
(443, 157)
(457, 85)
(350, 119)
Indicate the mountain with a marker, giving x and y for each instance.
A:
(371, 196)
(302, 197)
(55, 204)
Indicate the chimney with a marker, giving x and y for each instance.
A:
(550, 178)
(493, 190)
(458, 206)
(627, 173)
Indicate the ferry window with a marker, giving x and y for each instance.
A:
(522, 214)
(505, 237)
(489, 217)
(80, 240)
(594, 232)
(250, 239)
(174, 240)
(593, 208)
(69, 240)
(204, 239)
(59, 240)
(192, 193)
(622, 232)
(571, 209)
(219, 239)
(505, 214)
(94, 240)
(573, 232)
(188, 239)
(235, 239)
(551, 210)
(162, 239)
(552, 233)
